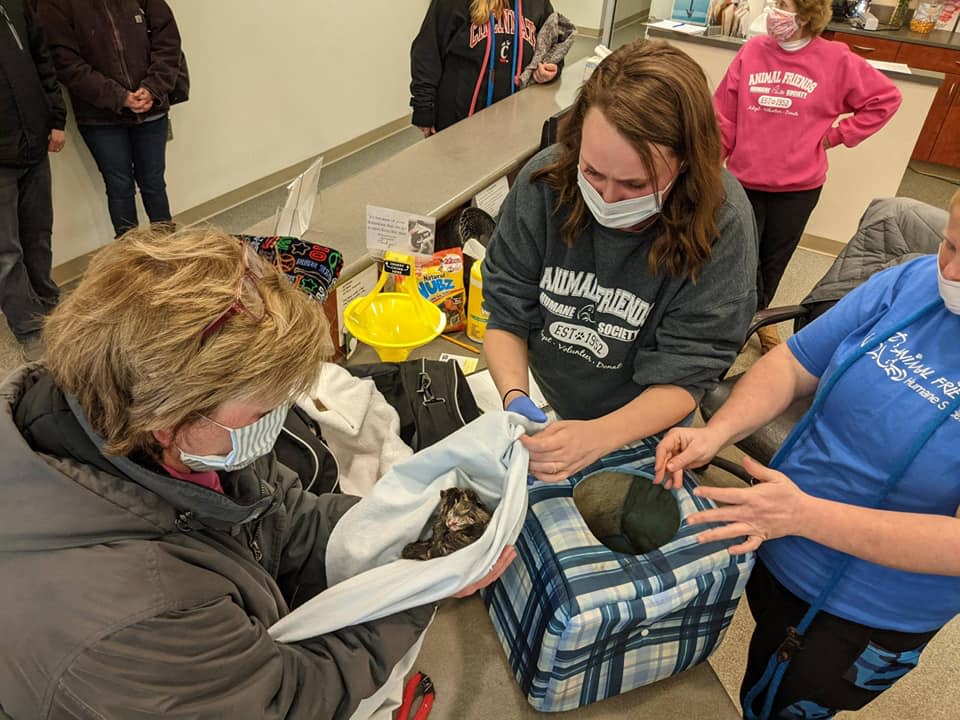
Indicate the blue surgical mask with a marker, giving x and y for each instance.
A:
(248, 443)
(623, 214)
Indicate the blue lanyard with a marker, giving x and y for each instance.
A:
(518, 38)
(776, 668)
(493, 48)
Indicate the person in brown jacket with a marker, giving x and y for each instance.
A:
(119, 60)
(150, 532)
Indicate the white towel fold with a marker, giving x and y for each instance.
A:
(359, 426)
(367, 577)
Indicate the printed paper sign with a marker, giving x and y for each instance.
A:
(491, 198)
(467, 364)
(401, 231)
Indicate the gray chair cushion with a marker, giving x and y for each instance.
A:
(763, 444)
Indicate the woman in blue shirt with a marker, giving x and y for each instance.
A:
(858, 513)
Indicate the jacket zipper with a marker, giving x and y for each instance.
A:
(255, 544)
(119, 45)
(456, 394)
(13, 30)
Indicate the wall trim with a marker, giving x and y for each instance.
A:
(822, 245)
(639, 17)
(75, 267)
(251, 190)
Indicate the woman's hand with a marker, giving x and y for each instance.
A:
(499, 567)
(428, 131)
(772, 508)
(58, 138)
(545, 72)
(564, 448)
(683, 448)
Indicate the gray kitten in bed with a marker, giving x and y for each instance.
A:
(461, 519)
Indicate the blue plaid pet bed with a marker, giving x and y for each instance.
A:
(580, 622)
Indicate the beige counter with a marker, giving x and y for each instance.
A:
(437, 175)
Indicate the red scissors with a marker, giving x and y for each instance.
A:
(419, 685)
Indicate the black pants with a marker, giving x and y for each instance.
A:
(781, 218)
(27, 292)
(131, 156)
(842, 665)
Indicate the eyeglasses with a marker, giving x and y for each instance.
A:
(256, 308)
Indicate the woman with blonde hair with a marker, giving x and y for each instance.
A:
(622, 267)
(469, 54)
(151, 533)
(777, 105)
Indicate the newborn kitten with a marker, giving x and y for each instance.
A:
(461, 518)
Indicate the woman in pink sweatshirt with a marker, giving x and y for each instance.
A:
(777, 107)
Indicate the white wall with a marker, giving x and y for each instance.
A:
(627, 9)
(272, 83)
(582, 13)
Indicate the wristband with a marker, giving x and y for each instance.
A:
(503, 400)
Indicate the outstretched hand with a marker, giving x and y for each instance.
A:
(683, 448)
(770, 509)
(499, 567)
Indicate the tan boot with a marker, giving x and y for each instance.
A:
(769, 338)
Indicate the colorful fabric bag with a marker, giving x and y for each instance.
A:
(312, 268)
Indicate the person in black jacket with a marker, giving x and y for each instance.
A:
(32, 117)
(469, 54)
(119, 60)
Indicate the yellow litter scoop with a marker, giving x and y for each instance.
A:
(394, 323)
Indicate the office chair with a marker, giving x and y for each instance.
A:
(892, 231)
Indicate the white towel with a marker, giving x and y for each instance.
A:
(359, 426)
(367, 577)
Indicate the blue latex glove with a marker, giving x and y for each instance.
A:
(526, 407)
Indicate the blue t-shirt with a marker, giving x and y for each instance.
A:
(865, 427)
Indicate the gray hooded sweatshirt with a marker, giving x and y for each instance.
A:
(129, 594)
(599, 326)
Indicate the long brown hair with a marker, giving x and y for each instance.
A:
(480, 10)
(652, 93)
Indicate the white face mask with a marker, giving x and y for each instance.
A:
(625, 213)
(949, 291)
(249, 443)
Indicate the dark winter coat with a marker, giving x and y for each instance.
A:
(104, 49)
(126, 593)
(447, 59)
(31, 104)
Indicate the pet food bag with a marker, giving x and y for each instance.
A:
(440, 280)
(580, 622)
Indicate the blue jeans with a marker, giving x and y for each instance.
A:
(128, 153)
(27, 292)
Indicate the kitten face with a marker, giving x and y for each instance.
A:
(462, 508)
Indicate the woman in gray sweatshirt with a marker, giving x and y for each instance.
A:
(622, 270)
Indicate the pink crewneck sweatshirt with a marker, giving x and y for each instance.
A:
(775, 107)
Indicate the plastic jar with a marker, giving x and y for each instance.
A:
(477, 314)
(925, 17)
